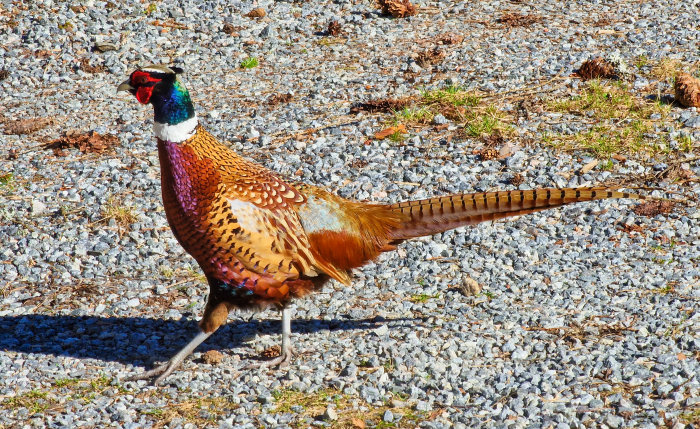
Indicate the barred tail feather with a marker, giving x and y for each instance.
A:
(434, 215)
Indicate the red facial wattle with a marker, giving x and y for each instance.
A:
(143, 94)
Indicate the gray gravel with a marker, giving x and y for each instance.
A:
(588, 315)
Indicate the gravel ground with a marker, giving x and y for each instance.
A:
(581, 317)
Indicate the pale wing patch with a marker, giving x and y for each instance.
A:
(247, 214)
(319, 215)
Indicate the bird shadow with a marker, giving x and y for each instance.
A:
(142, 341)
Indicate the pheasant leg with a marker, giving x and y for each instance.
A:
(168, 367)
(286, 353)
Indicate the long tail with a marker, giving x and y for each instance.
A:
(434, 215)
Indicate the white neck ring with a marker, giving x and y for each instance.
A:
(176, 133)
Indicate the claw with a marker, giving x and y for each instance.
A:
(161, 371)
(280, 361)
(168, 367)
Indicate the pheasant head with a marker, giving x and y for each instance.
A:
(160, 86)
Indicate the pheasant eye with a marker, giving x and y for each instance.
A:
(141, 80)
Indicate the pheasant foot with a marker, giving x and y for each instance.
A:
(287, 351)
(168, 367)
(280, 361)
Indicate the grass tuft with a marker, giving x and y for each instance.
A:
(123, 214)
(454, 95)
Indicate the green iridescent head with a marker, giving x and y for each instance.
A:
(160, 86)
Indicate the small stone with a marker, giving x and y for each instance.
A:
(252, 133)
(423, 406)
(469, 287)
(439, 119)
(133, 302)
(38, 207)
(664, 389)
(382, 330)
(104, 47)
(614, 421)
(330, 414)
(388, 416)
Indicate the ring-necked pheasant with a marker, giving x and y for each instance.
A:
(261, 240)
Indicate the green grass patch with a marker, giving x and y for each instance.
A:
(454, 95)
(8, 184)
(691, 417)
(487, 121)
(423, 297)
(685, 143)
(621, 121)
(249, 63)
(413, 115)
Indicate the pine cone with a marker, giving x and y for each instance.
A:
(597, 68)
(397, 8)
(687, 90)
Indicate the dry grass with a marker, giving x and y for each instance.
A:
(123, 214)
(666, 69)
(350, 413)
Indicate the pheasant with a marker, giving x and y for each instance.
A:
(262, 241)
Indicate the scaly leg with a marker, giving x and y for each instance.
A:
(168, 367)
(286, 353)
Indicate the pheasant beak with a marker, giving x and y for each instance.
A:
(126, 86)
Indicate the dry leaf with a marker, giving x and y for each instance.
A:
(597, 68)
(452, 112)
(589, 166)
(514, 19)
(87, 143)
(507, 150)
(358, 423)
(449, 39)
(687, 90)
(279, 98)
(272, 352)
(26, 126)
(397, 8)
(85, 66)
(213, 357)
(619, 158)
(230, 29)
(653, 208)
(681, 356)
(430, 57)
(517, 179)
(256, 13)
(380, 135)
(4, 74)
(334, 28)
(381, 105)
